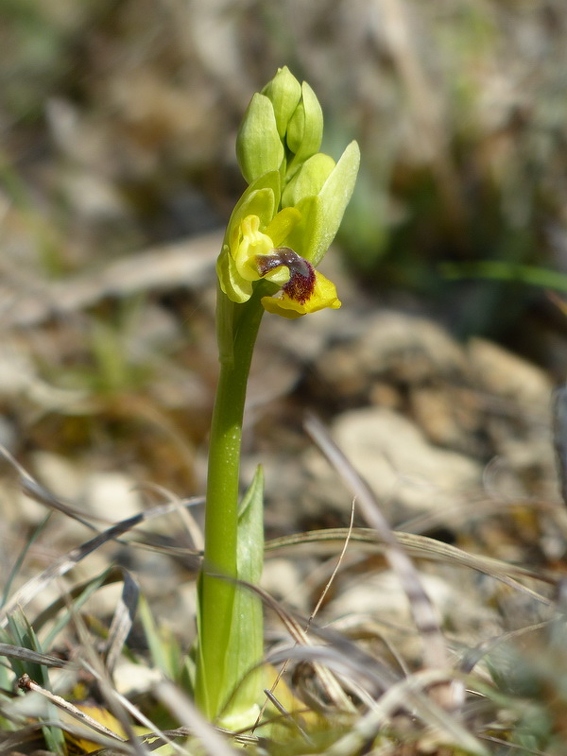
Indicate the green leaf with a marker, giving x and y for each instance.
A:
(164, 650)
(247, 645)
(250, 556)
(335, 196)
(23, 635)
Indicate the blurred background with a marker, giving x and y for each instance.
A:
(118, 121)
(117, 177)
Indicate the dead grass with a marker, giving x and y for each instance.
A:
(118, 122)
(351, 684)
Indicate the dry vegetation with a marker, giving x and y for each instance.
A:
(118, 172)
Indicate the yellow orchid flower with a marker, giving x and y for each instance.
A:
(253, 255)
(305, 291)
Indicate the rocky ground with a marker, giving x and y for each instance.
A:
(118, 174)
(454, 438)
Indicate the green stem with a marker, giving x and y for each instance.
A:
(237, 324)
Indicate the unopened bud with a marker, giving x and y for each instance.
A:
(284, 92)
(305, 129)
(259, 148)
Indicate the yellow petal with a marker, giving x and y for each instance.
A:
(104, 718)
(251, 242)
(324, 295)
(236, 288)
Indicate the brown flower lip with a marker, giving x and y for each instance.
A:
(302, 275)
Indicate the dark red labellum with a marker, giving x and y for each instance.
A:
(302, 275)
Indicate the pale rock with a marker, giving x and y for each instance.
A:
(406, 341)
(92, 197)
(455, 596)
(134, 679)
(520, 426)
(382, 594)
(19, 379)
(17, 372)
(408, 475)
(389, 346)
(62, 478)
(283, 579)
(433, 409)
(508, 376)
(111, 496)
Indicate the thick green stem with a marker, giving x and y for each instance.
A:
(216, 598)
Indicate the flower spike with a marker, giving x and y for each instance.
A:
(295, 201)
(277, 234)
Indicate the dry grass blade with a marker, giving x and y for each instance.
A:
(184, 710)
(295, 628)
(39, 493)
(154, 734)
(361, 663)
(468, 511)
(336, 567)
(284, 713)
(115, 703)
(354, 665)
(317, 606)
(34, 490)
(191, 526)
(419, 547)
(63, 564)
(95, 728)
(72, 593)
(409, 692)
(21, 741)
(122, 620)
(434, 650)
(560, 436)
(473, 655)
(26, 654)
(340, 658)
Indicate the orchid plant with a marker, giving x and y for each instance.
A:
(278, 233)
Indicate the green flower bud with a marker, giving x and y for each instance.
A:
(284, 92)
(309, 179)
(305, 129)
(259, 148)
